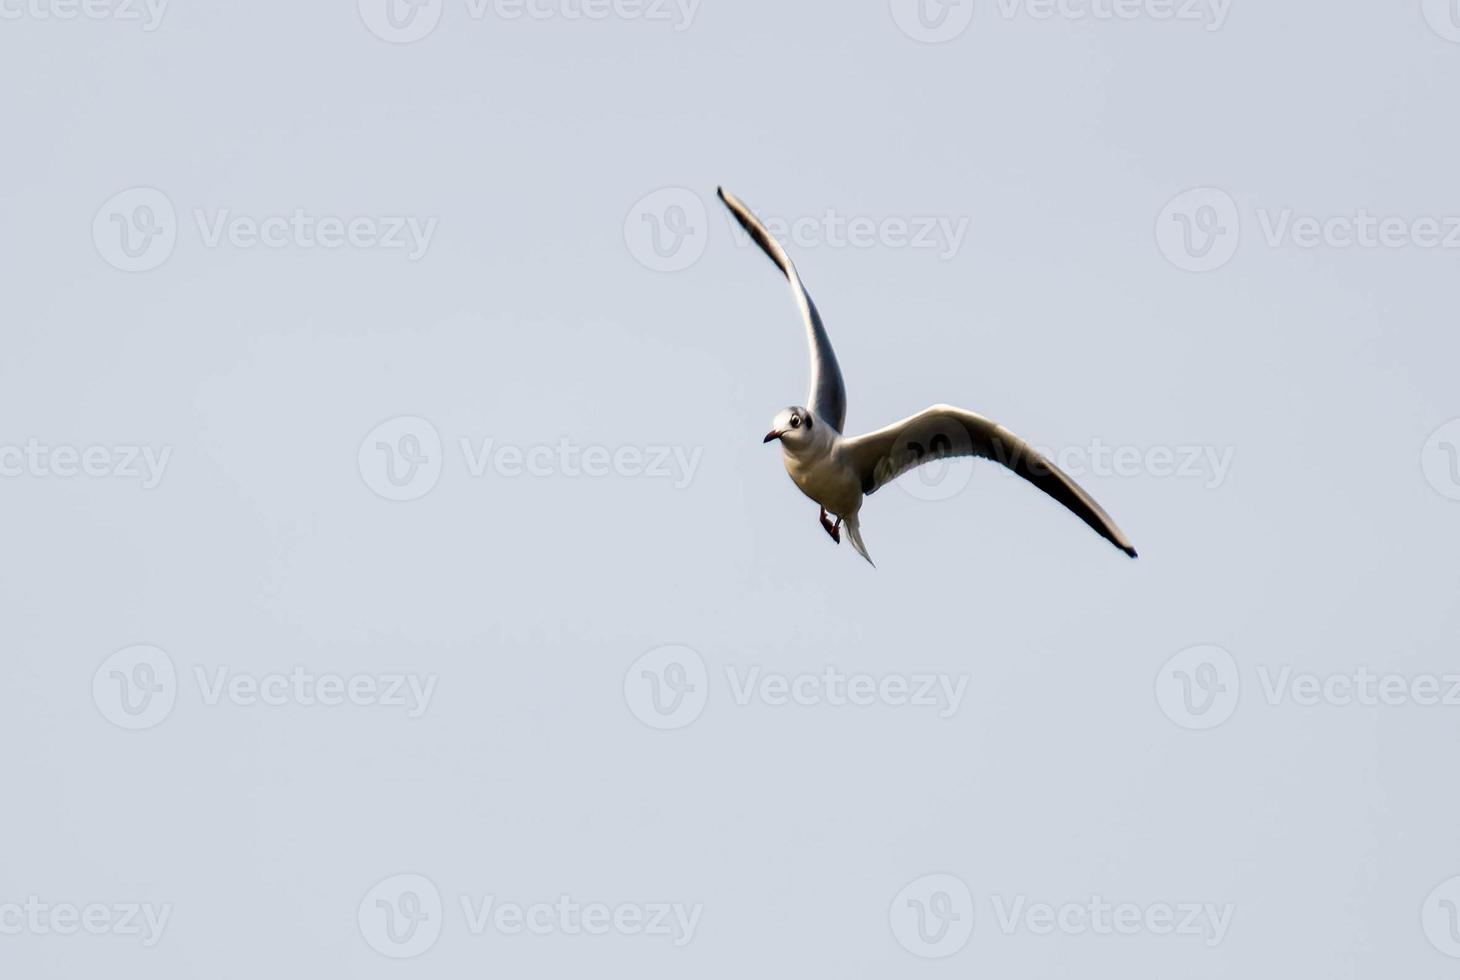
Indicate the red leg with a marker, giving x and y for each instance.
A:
(833, 529)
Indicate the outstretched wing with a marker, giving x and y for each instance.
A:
(942, 432)
(828, 397)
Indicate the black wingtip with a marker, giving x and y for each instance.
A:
(1131, 552)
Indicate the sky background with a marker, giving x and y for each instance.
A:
(1164, 251)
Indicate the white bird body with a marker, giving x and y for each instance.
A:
(838, 472)
(822, 473)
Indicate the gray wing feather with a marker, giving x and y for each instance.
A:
(828, 397)
(942, 432)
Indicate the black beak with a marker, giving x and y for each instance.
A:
(773, 434)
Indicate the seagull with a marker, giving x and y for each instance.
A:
(838, 472)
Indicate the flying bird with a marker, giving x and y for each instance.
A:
(838, 472)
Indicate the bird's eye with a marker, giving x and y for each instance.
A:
(795, 421)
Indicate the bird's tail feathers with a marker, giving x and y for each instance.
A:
(854, 534)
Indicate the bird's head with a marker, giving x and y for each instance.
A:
(794, 426)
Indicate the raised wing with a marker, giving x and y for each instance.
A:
(828, 397)
(942, 432)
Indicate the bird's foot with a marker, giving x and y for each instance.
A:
(835, 530)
